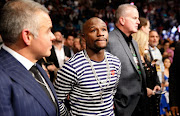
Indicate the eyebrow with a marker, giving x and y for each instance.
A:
(91, 27)
(94, 26)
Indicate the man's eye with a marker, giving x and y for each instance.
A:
(93, 30)
(104, 29)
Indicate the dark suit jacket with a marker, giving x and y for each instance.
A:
(53, 57)
(20, 93)
(174, 79)
(131, 83)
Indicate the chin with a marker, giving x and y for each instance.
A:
(135, 31)
(101, 48)
(47, 54)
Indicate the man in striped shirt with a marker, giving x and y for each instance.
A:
(90, 77)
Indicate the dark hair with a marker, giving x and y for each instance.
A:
(143, 22)
(164, 58)
(165, 41)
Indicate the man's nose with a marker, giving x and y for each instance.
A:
(100, 33)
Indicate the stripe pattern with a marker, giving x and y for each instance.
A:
(76, 78)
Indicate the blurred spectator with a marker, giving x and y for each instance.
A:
(155, 54)
(76, 45)
(68, 16)
(166, 51)
(152, 80)
(59, 54)
(69, 43)
(164, 103)
(144, 25)
(83, 44)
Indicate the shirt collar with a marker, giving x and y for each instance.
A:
(24, 61)
(152, 49)
(127, 39)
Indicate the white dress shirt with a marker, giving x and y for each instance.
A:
(156, 54)
(60, 55)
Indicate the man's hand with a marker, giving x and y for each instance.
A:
(157, 88)
(175, 111)
(51, 67)
(150, 92)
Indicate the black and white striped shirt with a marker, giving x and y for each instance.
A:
(76, 78)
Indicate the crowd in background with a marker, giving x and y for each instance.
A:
(68, 17)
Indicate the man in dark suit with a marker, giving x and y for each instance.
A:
(174, 80)
(25, 89)
(69, 43)
(59, 54)
(131, 90)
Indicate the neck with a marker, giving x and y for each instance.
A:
(123, 30)
(153, 47)
(67, 45)
(23, 50)
(166, 71)
(58, 46)
(96, 56)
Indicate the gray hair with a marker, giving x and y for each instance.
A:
(17, 15)
(122, 10)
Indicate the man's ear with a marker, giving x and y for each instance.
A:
(83, 37)
(27, 36)
(142, 28)
(122, 20)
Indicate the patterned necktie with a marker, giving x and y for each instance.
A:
(36, 74)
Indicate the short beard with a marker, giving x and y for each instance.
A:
(97, 49)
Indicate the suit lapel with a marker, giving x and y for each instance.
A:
(126, 48)
(18, 73)
(138, 57)
(48, 82)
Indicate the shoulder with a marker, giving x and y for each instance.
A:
(73, 65)
(115, 37)
(134, 41)
(65, 47)
(4, 78)
(157, 50)
(76, 57)
(114, 33)
(76, 60)
(113, 58)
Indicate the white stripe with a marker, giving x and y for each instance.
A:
(83, 87)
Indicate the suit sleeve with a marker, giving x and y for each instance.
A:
(67, 51)
(6, 108)
(66, 79)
